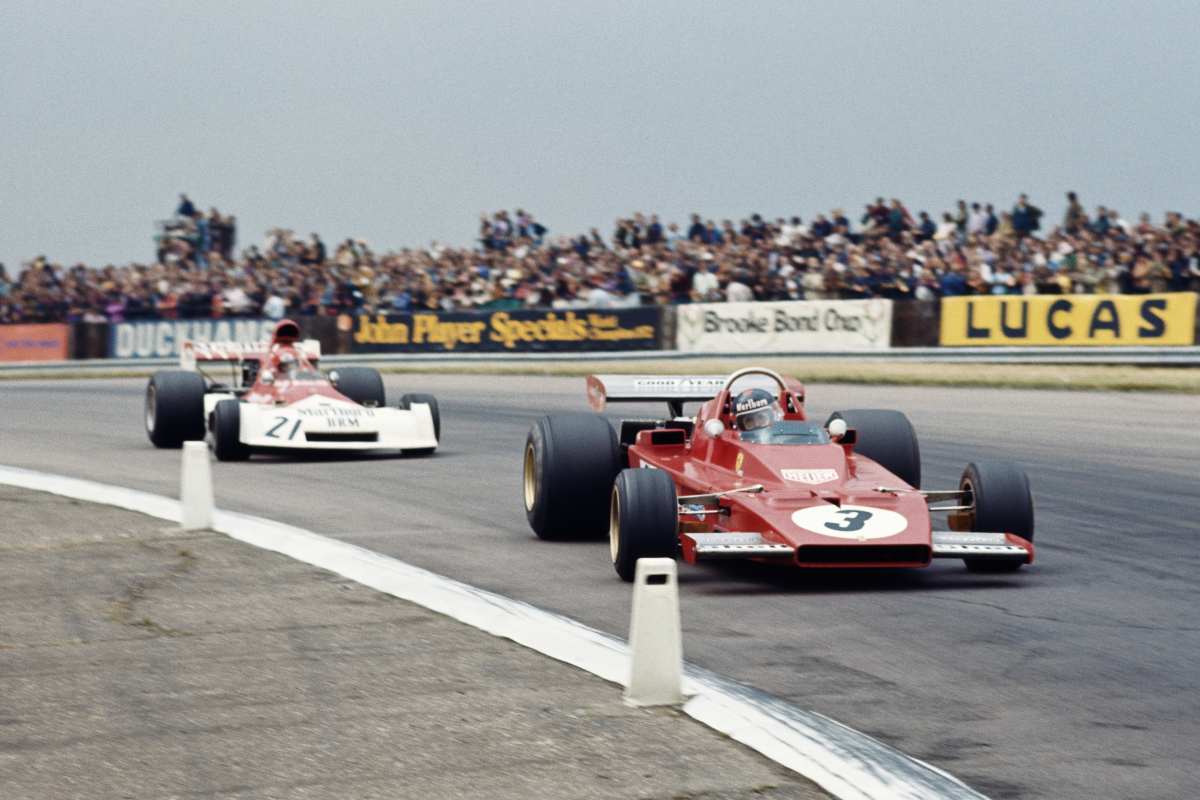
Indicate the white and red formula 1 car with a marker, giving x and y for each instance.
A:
(278, 400)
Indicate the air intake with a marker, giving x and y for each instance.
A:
(341, 437)
(914, 555)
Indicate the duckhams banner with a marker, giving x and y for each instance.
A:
(162, 338)
(509, 331)
(1070, 319)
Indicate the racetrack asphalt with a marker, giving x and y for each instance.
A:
(1075, 678)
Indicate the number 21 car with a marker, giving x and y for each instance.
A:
(277, 400)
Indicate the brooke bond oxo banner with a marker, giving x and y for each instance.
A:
(792, 326)
(41, 342)
(1072, 319)
(510, 331)
(161, 338)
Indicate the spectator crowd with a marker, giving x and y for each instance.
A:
(516, 263)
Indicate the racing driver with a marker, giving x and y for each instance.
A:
(755, 410)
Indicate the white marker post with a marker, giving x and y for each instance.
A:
(196, 488)
(655, 641)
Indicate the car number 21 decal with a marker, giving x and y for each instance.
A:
(850, 522)
(279, 430)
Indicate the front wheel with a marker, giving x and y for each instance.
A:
(406, 401)
(643, 519)
(998, 495)
(227, 427)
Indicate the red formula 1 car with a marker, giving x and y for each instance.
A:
(751, 477)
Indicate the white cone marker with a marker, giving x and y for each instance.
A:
(655, 641)
(196, 488)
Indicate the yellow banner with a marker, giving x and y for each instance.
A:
(1070, 319)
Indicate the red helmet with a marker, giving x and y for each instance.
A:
(286, 332)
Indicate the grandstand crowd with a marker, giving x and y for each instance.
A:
(516, 262)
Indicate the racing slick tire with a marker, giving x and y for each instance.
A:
(1001, 500)
(226, 428)
(407, 400)
(569, 466)
(643, 519)
(363, 385)
(886, 437)
(174, 411)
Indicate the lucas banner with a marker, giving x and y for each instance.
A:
(33, 342)
(1071, 319)
(162, 338)
(784, 327)
(509, 331)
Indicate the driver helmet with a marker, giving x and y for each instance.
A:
(754, 409)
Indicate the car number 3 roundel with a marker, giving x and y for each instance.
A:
(850, 522)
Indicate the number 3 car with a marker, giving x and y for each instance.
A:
(278, 400)
(751, 477)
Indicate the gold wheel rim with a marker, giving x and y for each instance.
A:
(967, 518)
(614, 524)
(530, 472)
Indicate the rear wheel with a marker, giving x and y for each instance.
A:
(174, 409)
(363, 385)
(569, 464)
(1000, 502)
(643, 519)
(227, 425)
(887, 438)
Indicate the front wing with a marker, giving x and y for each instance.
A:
(703, 546)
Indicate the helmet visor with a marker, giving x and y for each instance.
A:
(759, 418)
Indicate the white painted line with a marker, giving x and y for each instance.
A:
(847, 764)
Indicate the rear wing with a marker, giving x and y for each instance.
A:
(190, 353)
(675, 390)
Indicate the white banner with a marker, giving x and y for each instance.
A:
(161, 339)
(790, 326)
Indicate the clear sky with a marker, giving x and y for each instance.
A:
(399, 122)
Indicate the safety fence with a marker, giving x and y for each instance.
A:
(1012, 327)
